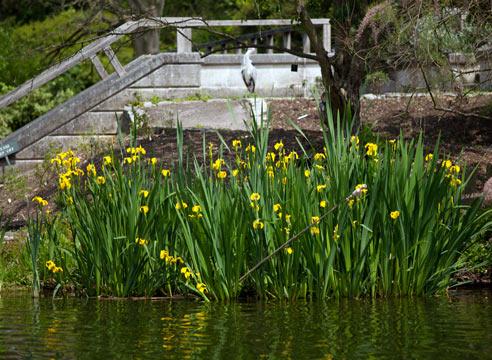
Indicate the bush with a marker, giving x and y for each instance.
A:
(373, 220)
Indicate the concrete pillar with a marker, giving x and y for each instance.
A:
(287, 40)
(306, 44)
(183, 40)
(270, 43)
(327, 37)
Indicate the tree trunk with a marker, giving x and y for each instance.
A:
(148, 41)
(333, 91)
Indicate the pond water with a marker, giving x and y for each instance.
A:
(454, 327)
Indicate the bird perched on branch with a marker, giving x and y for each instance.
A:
(248, 71)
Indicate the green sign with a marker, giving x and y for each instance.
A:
(8, 148)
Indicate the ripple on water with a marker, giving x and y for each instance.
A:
(439, 328)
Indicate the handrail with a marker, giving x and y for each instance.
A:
(103, 44)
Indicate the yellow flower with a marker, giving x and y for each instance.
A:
(350, 203)
(236, 144)
(196, 208)
(164, 254)
(50, 265)
(284, 180)
(101, 180)
(140, 150)
(165, 172)
(141, 242)
(270, 156)
(251, 148)
(153, 161)
(69, 200)
(354, 139)
(279, 146)
(144, 209)
(314, 230)
(235, 172)
(455, 169)
(186, 272)
(322, 203)
(271, 174)
(254, 206)
(288, 217)
(371, 149)
(293, 156)
(257, 224)
(57, 269)
(289, 250)
(319, 157)
(361, 189)
(255, 197)
(315, 220)
(392, 142)
(447, 164)
(320, 188)
(107, 160)
(222, 174)
(40, 200)
(55, 161)
(429, 157)
(394, 214)
(64, 182)
(277, 207)
(455, 182)
(91, 169)
(144, 193)
(127, 160)
(201, 287)
(217, 164)
(307, 173)
(181, 205)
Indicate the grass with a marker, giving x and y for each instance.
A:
(380, 219)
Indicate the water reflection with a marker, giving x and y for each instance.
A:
(459, 327)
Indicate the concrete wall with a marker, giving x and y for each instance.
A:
(182, 77)
(221, 75)
(463, 72)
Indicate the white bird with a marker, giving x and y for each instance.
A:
(248, 71)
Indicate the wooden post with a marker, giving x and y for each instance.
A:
(99, 67)
(114, 61)
(183, 40)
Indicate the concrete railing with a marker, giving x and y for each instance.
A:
(184, 34)
(183, 27)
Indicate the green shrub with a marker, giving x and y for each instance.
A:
(374, 220)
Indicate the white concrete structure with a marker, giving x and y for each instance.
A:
(91, 115)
